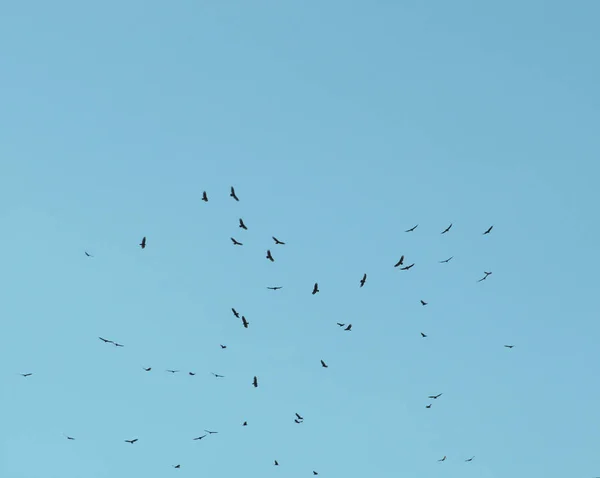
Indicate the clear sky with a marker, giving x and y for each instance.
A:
(340, 124)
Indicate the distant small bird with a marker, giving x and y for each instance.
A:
(147, 369)
(255, 382)
(236, 313)
(210, 433)
(485, 276)
(131, 441)
(423, 302)
(428, 406)
(340, 324)
(217, 376)
(204, 196)
(269, 256)
(412, 228)
(297, 421)
(363, 280)
(223, 346)
(191, 373)
(200, 437)
(509, 346)
(277, 241)
(236, 243)
(106, 341)
(470, 459)
(232, 194)
(423, 335)
(68, 437)
(88, 254)
(176, 466)
(172, 371)
(245, 424)
(407, 267)
(323, 364)
(447, 260)
(435, 397)
(315, 473)
(400, 262)
(489, 230)
(275, 288)
(349, 328)
(447, 229)
(299, 417)
(315, 288)
(242, 225)
(245, 322)
(118, 345)
(443, 459)
(276, 463)
(143, 243)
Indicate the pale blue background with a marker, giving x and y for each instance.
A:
(341, 124)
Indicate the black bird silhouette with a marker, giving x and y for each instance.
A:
(412, 228)
(223, 346)
(447, 260)
(315, 473)
(176, 466)
(470, 459)
(509, 346)
(147, 369)
(118, 345)
(428, 406)
(275, 288)
(400, 262)
(242, 225)
(191, 373)
(276, 463)
(236, 243)
(485, 276)
(423, 335)
(443, 459)
(88, 254)
(277, 241)
(489, 230)
(447, 229)
(323, 364)
(269, 256)
(200, 437)
(349, 328)
(299, 417)
(340, 324)
(236, 313)
(423, 302)
(143, 243)
(407, 267)
(297, 421)
(204, 196)
(315, 288)
(106, 341)
(210, 433)
(363, 280)
(232, 194)
(435, 397)
(255, 382)
(131, 441)
(172, 371)
(68, 437)
(245, 424)
(217, 376)
(245, 322)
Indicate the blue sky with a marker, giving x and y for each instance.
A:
(341, 124)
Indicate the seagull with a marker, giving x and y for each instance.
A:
(275, 288)
(400, 262)
(349, 328)
(470, 459)
(88, 254)
(489, 230)
(255, 382)
(236, 313)
(147, 369)
(204, 196)
(435, 397)
(143, 243)
(245, 322)
(447, 260)
(172, 371)
(485, 276)
(412, 228)
(315, 288)
(232, 194)
(423, 302)
(447, 229)
(236, 243)
(407, 267)
(242, 225)
(131, 441)
(363, 280)
(269, 256)
(323, 364)
(217, 376)
(199, 438)
(277, 241)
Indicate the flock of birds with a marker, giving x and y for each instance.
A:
(346, 327)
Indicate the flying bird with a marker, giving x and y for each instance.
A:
(118, 345)
(172, 371)
(147, 369)
(236, 313)
(143, 243)
(88, 254)
(363, 280)
(315, 473)
(204, 196)
(277, 241)
(349, 328)
(255, 382)
(210, 433)
(297, 421)
(199, 438)
(447, 229)
(232, 194)
(428, 406)
(176, 466)
(323, 364)
(485, 276)
(299, 417)
(443, 459)
(242, 225)
(276, 463)
(447, 260)
(470, 459)
(412, 228)
(315, 288)
(423, 302)
(269, 256)
(435, 397)
(489, 230)
(407, 267)
(217, 376)
(191, 373)
(400, 262)
(26, 374)
(106, 341)
(68, 437)
(340, 324)
(131, 441)
(509, 346)
(245, 424)
(423, 335)
(236, 243)
(223, 346)
(275, 288)
(245, 322)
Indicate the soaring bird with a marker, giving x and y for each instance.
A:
(204, 196)
(423, 335)
(400, 262)
(315, 288)
(412, 228)
(143, 243)
(200, 437)
(470, 459)
(172, 371)
(236, 243)
(210, 433)
(269, 256)
(245, 322)
(192, 373)
(297, 421)
(485, 276)
(245, 424)
(340, 324)
(435, 397)
(447, 229)
(428, 406)
(106, 341)
(68, 437)
(131, 441)
(349, 328)
(489, 230)
(315, 473)
(118, 344)
(232, 194)
(323, 364)
(275, 288)
(447, 260)
(276, 463)
(217, 376)
(299, 417)
(147, 369)
(423, 302)
(177, 466)
(363, 280)
(223, 346)
(407, 267)
(509, 346)
(443, 459)
(236, 313)
(277, 241)
(242, 225)
(255, 382)
(88, 254)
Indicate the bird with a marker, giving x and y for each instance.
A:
(131, 441)
(423, 302)
(412, 228)
(315, 473)
(199, 438)
(236, 243)
(447, 260)
(118, 345)
(488, 231)
(245, 322)
(143, 243)
(323, 364)
(423, 335)
(242, 225)
(435, 397)
(68, 437)
(407, 267)
(297, 421)
(349, 328)
(363, 280)
(204, 196)
(172, 371)
(485, 276)
(255, 382)
(340, 324)
(277, 241)
(275, 288)
(470, 459)
(210, 433)
(245, 424)
(269, 256)
(428, 406)
(443, 459)
(147, 369)
(217, 376)
(509, 346)
(299, 417)
(223, 346)
(276, 463)
(88, 254)
(26, 374)
(447, 229)
(236, 313)
(191, 373)
(177, 466)
(232, 194)
(400, 262)
(315, 288)
(106, 341)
